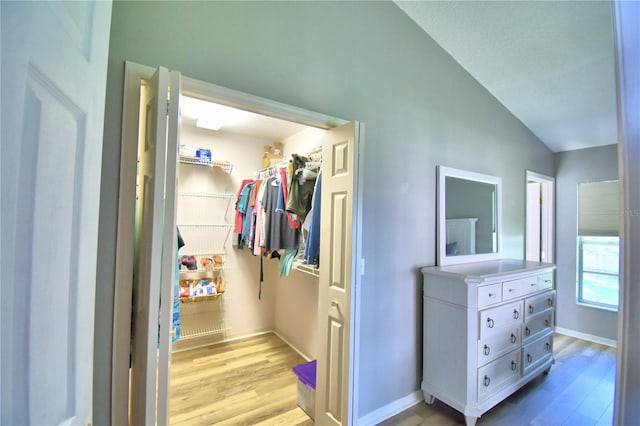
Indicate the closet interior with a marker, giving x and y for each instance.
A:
(226, 287)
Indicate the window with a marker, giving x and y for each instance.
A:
(598, 244)
(598, 280)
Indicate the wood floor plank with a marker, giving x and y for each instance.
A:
(250, 382)
(578, 391)
(244, 382)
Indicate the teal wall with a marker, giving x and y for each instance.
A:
(574, 167)
(364, 61)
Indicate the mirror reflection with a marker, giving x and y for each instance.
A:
(469, 214)
(471, 217)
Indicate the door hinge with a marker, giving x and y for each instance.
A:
(168, 106)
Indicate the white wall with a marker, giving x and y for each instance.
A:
(243, 312)
(353, 60)
(296, 310)
(289, 305)
(572, 168)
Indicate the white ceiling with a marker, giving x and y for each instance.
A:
(551, 63)
(237, 121)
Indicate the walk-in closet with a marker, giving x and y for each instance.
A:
(231, 286)
(234, 282)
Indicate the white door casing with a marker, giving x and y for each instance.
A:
(334, 378)
(170, 243)
(54, 63)
(152, 237)
(540, 214)
(533, 222)
(626, 15)
(241, 100)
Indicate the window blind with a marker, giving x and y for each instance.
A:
(598, 208)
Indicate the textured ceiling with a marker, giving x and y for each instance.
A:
(551, 63)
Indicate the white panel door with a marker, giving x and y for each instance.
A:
(533, 221)
(170, 245)
(151, 235)
(337, 275)
(54, 63)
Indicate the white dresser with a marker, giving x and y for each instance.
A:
(488, 330)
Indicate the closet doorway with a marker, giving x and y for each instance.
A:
(540, 208)
(339, 248)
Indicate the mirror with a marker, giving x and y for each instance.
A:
(469, 216)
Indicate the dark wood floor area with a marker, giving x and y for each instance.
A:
(245, 382)
(578, 391)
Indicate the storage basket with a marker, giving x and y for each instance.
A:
(306, 396)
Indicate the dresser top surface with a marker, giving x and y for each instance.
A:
(488, 269)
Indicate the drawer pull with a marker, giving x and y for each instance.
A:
(529, 358)
(516, 314)
(490, 323)
(547, 281)
(530, 309)
(491, 295)
(514, 365)
(547, 346)
(527, 331)
(511, 290)
(513, 338)
(486, 350)
(487, 381)
(546, 323)
(533, 284)
(550, 302)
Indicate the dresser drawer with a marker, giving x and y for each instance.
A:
(498, 345)
(536, 304)
(489, 294)
(536, 326)
(496, 320)
(519, 288)
(545, 281)
(536, 352)
(497, 374)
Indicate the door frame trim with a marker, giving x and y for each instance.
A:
(134, 74)
(123, 291)
(625, 34)
(547, 190)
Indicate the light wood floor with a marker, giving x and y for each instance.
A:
(578, 391)
(245, 382)
(250, 382)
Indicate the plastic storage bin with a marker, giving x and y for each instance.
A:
(306, 397)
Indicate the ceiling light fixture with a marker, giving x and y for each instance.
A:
(212, 116)
(208, 123)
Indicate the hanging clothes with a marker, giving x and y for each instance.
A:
(301, 188)
(247, 215)
(286, 261)
(258, 238)
(278, 233)
(312, 248)
(175, 311)
(255, 206)
(240, 208)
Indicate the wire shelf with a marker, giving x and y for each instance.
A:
(201, 207)
(205, 239)
(222, 164)
(223, 195)
(302, 266)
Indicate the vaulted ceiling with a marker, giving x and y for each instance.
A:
(551, 63)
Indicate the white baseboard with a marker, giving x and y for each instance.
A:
(292, 346)
(205, 341)
(587, 337)
(391, 409)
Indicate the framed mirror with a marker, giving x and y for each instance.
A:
(469, 216)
